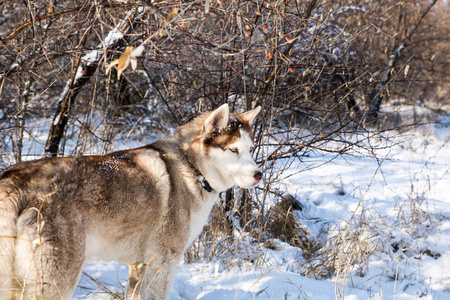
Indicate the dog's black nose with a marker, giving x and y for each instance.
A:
(258, 175)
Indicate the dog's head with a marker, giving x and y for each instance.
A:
(220, 144)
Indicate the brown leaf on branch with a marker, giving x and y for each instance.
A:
(122, 63)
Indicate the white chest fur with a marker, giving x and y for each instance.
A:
(200, 216)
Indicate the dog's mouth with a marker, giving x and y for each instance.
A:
(249, 181)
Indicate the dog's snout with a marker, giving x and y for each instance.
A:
(258, 175)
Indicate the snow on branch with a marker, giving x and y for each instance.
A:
(87, 65)
(345, 9)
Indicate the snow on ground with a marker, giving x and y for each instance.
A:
(398, 203)
(395, 202)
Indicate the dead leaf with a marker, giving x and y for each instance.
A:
(112, 64)
(172, 14)
(129, 56)
(162, 33)
(138, 51)
(407, 70)
(133, 62)
(305, 72)
(124, 61)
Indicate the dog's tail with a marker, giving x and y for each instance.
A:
(8, 232)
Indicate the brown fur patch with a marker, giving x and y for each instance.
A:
(223, 138)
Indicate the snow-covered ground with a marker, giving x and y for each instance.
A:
(388, 216)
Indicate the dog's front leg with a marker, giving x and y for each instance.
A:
(151, 281)
(136, 273)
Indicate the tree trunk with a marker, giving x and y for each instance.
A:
(375, 97)
(376, 94)
(22, 105)
(65, 104)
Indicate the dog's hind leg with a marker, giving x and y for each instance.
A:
(8, 220)
(49, 257)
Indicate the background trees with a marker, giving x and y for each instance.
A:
(322, 70)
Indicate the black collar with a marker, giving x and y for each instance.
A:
(204, 183)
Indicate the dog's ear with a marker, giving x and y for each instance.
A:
(218, 119)
(250, 115)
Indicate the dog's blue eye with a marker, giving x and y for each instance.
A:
(251, 149)
(234, 150)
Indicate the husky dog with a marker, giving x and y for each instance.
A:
(142, 207)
